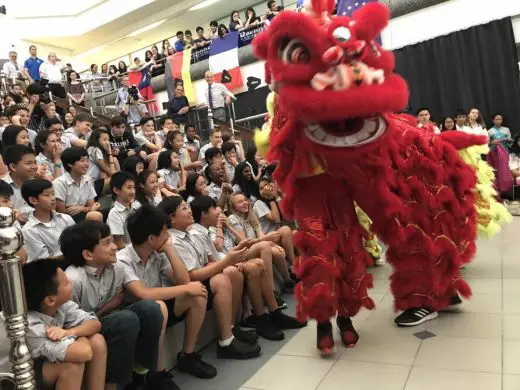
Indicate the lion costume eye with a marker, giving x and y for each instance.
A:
(295, 52)
(342, 34)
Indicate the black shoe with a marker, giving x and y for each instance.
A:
(325, 339)
(246, 336)
(455, 301)
(238, 350)
(250, 322)
(266, 328)
(349, 336)
(192, 363)
(293, 276)
(413, 317)
(161, 380)
(138, 382)
(283, 321)
(288, 285)
(279, 301)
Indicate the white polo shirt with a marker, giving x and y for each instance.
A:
(52, 72)
(117, 217)
(72, 193)
(18, 202)
(41, 239)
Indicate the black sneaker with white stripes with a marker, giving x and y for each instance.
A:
(413, 317)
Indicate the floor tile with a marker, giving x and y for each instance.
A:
(485, 286)
(365, 376)
(511, 286)
(483, 303)
(511, 382)
(511, 267)
(482, 270)
(511, 326)
(422, 378)
(512, 357)
(511, 303)
(470, 325)
(290, 372)
(481, 355)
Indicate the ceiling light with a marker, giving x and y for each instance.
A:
(204, 4)
(147, 28)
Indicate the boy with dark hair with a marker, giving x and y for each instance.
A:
(122, 141)
(19, 115)
(460, 120)
(225, 284)
(6, 193)
(45, 225)
(201, 39)
(179, 44)
(153, 271)
(122, 186)
(229, 151)
(74, 191)
(206, 215)
(21, 163)
(213, 28)
(215, 141)
(424, 118)
(133, 333)
(214, 156)
(219, 187)
(166, 124)
(79, 130)
(63, 339)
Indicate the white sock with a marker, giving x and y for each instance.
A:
(225, 343)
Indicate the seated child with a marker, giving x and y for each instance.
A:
(74, 191)
(45, 225)
(171, 172)
(122, 185)
(224, 283)
(63, 339)
(259, 285)
(21, 162)
(153, 271)
(134, 334)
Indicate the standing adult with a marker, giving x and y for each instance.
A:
(12, 69)
(51, 75)
(475, 123)
(179, 106)
(32, 65)
(217, 97)
(131, 108)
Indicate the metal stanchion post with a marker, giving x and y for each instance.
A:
(210, 119)
(12, 296)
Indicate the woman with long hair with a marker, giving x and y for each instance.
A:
(244, 181)
(68, 120)
(448, 124)
(75, 90)
(133, 165)
(107, 80)
(158, 68)
(102, 164)
(256, 161)
(113, 77)
(164, 46)
(147, 189)
(235, 23)
(122, 69)
(498, 157)
(222, 30)
(195, 186)
(244, 225)
(95, 78)
(475, 123)
(251, 18)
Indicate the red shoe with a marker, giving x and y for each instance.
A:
(325, 340)
(349, 336)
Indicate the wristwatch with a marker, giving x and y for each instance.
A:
(59, 165)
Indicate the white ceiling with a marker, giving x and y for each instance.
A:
(107, 41)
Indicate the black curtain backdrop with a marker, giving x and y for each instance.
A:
(477, 67)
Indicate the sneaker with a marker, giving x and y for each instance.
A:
(238, 350)
(325, 339)
(349, 336)
(288, 286)
(267, 329)
(283, 321)
(161, 380)
(247, 336)
(192, 363)
(279, 301)
(454, 302)
(250, 322)
(413, 317)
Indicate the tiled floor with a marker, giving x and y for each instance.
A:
(475, 348)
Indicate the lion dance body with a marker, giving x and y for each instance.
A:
(337, 145)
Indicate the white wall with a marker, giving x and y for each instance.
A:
(446, 18)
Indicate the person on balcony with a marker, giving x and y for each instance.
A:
(217, 97)
(179, 106)
(12, 69)
(51, 75)
(75, 90)
(32, 65)
(131, 108)
(251, 18)
(201, 39)
(179, 44)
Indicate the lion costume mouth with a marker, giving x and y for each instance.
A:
(346, 134)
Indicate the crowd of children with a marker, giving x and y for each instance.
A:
(128, 233)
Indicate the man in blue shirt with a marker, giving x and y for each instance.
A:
(32, 65)
(179, 45)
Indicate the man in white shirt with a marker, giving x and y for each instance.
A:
(12, 69)
(217, 97)
(460, 121)
(52, 71)
(424, 118)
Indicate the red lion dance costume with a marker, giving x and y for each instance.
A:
(337, 143)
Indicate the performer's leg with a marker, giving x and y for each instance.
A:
(331, 265)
